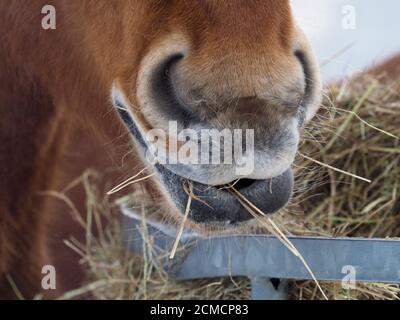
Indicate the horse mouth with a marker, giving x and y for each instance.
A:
(216, 204)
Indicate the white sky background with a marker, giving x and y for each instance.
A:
(376, 35)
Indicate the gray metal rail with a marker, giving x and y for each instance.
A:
(262, 258)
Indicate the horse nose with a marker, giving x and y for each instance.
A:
(206, 101)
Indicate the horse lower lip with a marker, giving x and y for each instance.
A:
(218, 205)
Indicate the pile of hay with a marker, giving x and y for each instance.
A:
(355, 132)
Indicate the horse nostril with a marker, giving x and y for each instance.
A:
(302, 57)
(163, 93)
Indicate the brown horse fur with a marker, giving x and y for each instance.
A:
(56, 117)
